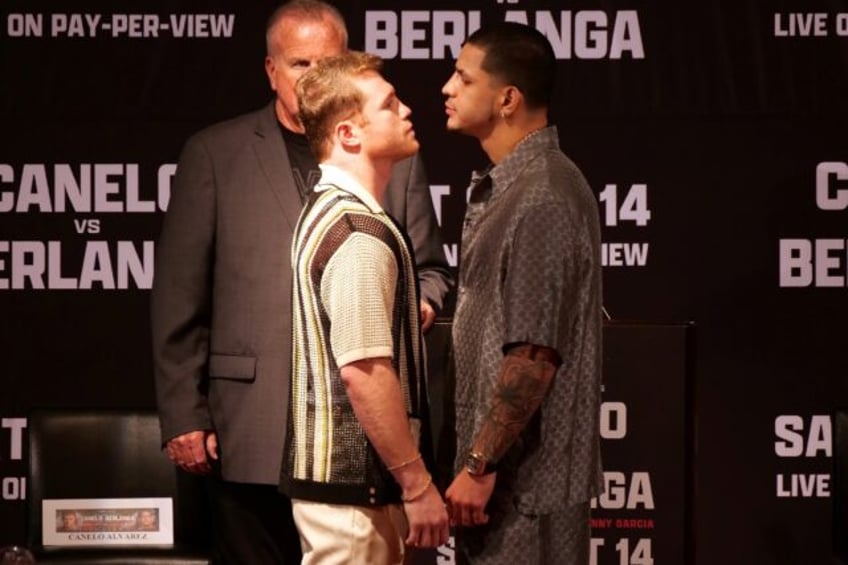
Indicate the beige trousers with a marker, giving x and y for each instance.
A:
(342, 534)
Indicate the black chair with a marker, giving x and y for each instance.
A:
(97, 454)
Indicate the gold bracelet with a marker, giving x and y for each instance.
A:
(404, 464)
(412, 497)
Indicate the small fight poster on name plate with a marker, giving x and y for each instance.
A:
(111, 521)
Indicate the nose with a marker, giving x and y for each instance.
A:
(447, 88)
(405, 111)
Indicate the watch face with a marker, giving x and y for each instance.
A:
(474, 464)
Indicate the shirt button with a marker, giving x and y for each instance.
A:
(372, 490)
(372, 500)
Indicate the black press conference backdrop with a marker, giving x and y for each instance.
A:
(713, 134)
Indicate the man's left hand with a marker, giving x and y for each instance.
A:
(428, 315)
(467, 498)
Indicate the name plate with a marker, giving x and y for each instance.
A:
(107, 521)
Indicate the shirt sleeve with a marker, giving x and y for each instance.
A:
(358, 292)
(540, 288)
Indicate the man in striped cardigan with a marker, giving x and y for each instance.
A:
(353, 468)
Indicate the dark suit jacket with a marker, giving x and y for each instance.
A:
(220, 305)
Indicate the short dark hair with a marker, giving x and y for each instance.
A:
(521, 56)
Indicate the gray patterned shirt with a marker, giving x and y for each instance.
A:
(530, 271)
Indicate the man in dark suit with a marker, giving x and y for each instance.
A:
(221, 296)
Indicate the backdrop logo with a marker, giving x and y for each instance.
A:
(581, 34)
(619, 206)
(801, 440)
(136, 26)
(819, 262)
(622, 205)
(12, 431)
(96, 191)
(810, 24)
(630, 492)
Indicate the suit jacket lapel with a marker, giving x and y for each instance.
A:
(274, 162)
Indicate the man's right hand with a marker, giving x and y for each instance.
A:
(192, 451)
(428, 519)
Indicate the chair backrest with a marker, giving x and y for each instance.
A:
(108, 454)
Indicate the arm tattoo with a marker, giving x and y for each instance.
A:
(524, 379)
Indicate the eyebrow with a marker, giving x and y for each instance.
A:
(462, 72)
(391, 94)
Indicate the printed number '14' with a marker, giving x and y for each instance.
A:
(634, 207)
(641, 553)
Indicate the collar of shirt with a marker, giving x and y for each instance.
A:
(332, 175)
(504, 173)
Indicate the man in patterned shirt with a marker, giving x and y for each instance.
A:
(527, 326)
(353, 468)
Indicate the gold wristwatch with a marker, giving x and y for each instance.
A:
(477, 465)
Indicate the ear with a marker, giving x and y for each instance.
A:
(270, 69)
(347, 135)
(511, 98)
